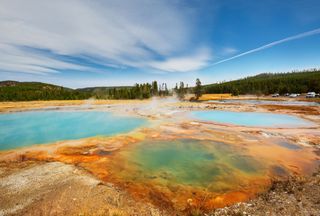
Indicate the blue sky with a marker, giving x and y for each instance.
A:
(79, 43)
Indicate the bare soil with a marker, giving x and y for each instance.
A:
(294, 196)
(54, 188)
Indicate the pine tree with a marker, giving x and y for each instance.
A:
(181, 91)
(198, 89)
(154, 88)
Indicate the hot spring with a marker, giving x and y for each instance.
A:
(253, 119)
(38, 127)
(164, 165)
(190, 162)
(210, 173)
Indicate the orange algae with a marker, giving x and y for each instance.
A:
(175, 194)
(111, 160)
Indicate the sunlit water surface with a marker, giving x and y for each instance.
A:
(256, 119)
(27, 128)
(269, 102)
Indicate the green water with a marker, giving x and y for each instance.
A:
(190, 162)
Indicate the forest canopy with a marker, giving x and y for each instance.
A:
(28, 91)
(266, 83)
(270, 83)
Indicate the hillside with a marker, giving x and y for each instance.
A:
(269, 83)
(26, 91)
(102, 88)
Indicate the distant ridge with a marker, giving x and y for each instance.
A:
(103, 88)
(265, 83)
(26, 91)
(29, 91)
(269, 83)
(8, 83)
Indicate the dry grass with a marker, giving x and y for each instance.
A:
(25, 105)
(295, 109)
(206, 97)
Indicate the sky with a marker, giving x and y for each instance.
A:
(81, 43)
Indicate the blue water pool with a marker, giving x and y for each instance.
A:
(254, 119)
(27, 128)
(268, 102)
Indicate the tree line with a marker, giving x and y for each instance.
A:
(139, 91)
(267, 83)
(183, 89)
(28, 91)
(270, 83)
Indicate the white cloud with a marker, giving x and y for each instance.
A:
(118, 33)
(14, 59)
(229, 51)
(184, 63)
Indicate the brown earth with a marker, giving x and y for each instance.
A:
(54, 188)
(295, 196)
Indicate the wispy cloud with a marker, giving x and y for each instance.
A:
(269, 45)
(186, 63)
(15, 59)
(117, 34)
(229, 51)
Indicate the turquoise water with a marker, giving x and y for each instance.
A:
(252, 119)
(269, 102)
(27, 128)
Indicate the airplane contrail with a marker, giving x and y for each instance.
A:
(269, 45)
